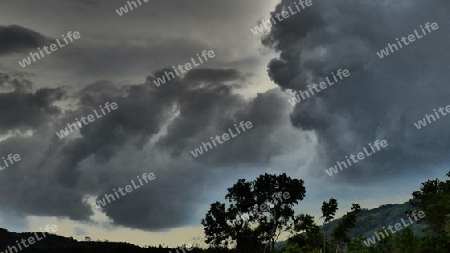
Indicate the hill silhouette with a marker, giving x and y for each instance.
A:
(60, 244)
(369, 220)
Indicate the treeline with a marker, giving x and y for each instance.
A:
(350, 234)
(235, 227)
(59, 244)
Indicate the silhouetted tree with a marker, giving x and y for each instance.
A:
(434, 199)
(340, 233)
(224, 226)
(328, 212)
(310, 237)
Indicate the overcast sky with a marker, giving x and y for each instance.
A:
(155, 128)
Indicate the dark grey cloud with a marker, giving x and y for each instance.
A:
(23, 109)
(153, 130)
(18, 39)
(383, 97)
(27, 121)
(144, 40)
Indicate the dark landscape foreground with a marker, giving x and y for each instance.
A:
(346, 234)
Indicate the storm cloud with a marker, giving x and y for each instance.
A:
(382, 97)
(18, 39)
(160, 125)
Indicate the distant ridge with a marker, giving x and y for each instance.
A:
(59, 244)
(369, 220)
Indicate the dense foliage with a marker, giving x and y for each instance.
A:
(347, 234)
(267, 215)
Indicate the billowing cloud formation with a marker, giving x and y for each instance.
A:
(153, 130)
(382, 97)
(22, 109)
